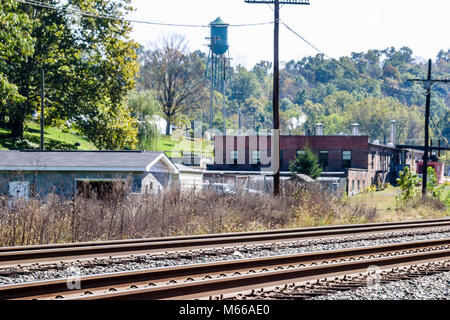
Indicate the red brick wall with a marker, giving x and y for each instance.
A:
(289, 145)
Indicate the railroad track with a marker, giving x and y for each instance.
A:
(231, 278)
(54, 253)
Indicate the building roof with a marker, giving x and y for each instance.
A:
(84, 160)
(183, 168)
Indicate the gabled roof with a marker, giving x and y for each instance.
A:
(142, 161)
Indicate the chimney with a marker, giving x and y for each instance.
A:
(393, 127)
(319, 127)
(355, 129)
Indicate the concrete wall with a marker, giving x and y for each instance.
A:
(44, 183)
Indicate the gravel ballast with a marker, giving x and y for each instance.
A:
(102, 266)
(434, 287)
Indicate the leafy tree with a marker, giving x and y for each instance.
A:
(407, 183)
(89, 63)
(306, 163)
(432, 183)
(261, 70)
(175, 75)
(144, 106)
(16, 46)
(245, 85)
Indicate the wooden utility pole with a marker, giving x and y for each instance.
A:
(428, 82)
(276, 88)
(276, 100)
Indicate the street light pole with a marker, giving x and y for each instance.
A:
(42, 108)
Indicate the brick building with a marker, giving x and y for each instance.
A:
(363, 163)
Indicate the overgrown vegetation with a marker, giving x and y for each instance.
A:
(171, 213)
(408, 181)
(124, 216)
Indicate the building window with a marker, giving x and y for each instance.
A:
(234, 155)
(346, 159)
(358, 186)
(353, 185)
(323, 158)
(373, 159)
(256, 158)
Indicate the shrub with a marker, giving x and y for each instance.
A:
(432, 183)
(407, 183)
(306, 163)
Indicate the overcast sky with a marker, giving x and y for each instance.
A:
(335, 27)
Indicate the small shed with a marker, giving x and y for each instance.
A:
(189, 178)
(39, 173)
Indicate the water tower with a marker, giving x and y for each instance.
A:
(218, 65)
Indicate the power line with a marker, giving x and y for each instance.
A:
(111, 17)
(343, 66)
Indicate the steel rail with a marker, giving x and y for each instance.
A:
(52, 255)
(223, 235)
(157, 276)
(204, 289)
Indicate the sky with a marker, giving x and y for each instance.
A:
(335, 27)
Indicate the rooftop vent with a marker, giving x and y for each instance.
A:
(393, 129)
(319, 129)
(355, 129)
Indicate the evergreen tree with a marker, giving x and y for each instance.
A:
(306, 163)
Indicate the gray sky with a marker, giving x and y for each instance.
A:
(335, 27)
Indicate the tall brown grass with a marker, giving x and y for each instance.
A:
(173, 212)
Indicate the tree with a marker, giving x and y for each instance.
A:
(16, 46)
(144, 106)
(175, 75)
(306, 163)
(407, 183)
(432, 183)
(261, 70)
(89, 63)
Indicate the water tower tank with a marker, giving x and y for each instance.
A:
(219, 34)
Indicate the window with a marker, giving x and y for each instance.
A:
(346, 159)
(256, 158)
(373, 159)
(323, 159)
(353, 185)
(234, 155)
(358, 186)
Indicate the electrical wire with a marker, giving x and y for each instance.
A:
(111, 17)
(344, 66)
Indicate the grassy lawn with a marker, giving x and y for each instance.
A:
(387, 210)
(382, 200)
(54, 139)
(174, 148)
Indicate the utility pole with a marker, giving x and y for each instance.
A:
(42, 108)
(428, 83)
(276, 87)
